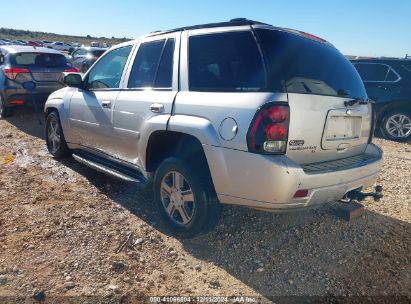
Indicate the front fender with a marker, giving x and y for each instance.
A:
(60, 100)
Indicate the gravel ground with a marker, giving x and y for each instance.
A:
(62, 226)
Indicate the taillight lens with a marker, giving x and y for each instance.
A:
(11, 73)
(71, 70)
(268, 132)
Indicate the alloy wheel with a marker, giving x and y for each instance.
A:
(53, 135)
(398, 126)
(177, 198)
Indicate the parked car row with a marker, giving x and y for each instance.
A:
(56, 45)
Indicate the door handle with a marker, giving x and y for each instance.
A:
(106, 104)
(157, 108)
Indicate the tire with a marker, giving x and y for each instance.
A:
(396, 125)
(56, 144)
(5, 111)
(191, 203)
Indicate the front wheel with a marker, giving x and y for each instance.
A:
(56, 144)
(397, 126)
(185, 198)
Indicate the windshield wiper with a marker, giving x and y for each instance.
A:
(360, 101)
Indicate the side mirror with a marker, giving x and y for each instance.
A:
(1, 58)
(73, 80)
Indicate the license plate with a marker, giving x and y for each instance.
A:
(343, 128)
(46, 76)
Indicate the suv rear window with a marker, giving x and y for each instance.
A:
(228, 62)
(308, 67)
(39, 60)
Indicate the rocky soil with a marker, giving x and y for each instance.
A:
(68, 233)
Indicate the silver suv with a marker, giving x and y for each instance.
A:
(237, 112)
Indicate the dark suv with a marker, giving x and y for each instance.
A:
(388, 83)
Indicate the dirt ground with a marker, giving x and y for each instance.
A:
(62, 226)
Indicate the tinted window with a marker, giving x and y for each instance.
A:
(107, 72)
(372, 71)
(302, 65)
(39, 60)
(225, 62)
(407, 67)
(391, 76)
(145, 64)
(165, 69)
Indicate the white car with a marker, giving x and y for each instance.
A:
(60, 46)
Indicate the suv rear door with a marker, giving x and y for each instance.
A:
(318, 80)
(147, 96)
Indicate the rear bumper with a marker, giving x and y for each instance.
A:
(40, 94)
(270, 182)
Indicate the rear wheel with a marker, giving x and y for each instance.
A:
(56, 144)
(5, 111)
(396, 125)
(185, 198)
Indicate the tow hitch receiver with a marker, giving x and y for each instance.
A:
(351, 208)
(358, 195)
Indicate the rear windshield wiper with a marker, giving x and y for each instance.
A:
(360, 101)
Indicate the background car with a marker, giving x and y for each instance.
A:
(46, 43)
(60, 46)
(83, 58)
(34, 43)
(20, 64)
(388, 83)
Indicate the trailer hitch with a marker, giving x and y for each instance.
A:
(358, 195)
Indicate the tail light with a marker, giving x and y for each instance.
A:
(268, 133)
(11, 73)
(71, 70)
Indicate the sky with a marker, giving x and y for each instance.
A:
(361, 27)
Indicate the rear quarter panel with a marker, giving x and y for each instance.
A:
(216, 107)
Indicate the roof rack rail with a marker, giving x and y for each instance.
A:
(232, 22)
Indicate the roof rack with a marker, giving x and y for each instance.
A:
(232, 22)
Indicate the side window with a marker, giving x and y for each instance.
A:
(106, 74)
(164, 78)
(225, 62)
(153, 65)
(372, 71)
(78, 53)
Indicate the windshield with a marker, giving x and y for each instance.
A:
(306, 66)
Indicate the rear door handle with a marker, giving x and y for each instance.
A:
(106, 104)
(157, 108)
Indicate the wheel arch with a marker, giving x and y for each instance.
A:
(165, 143)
